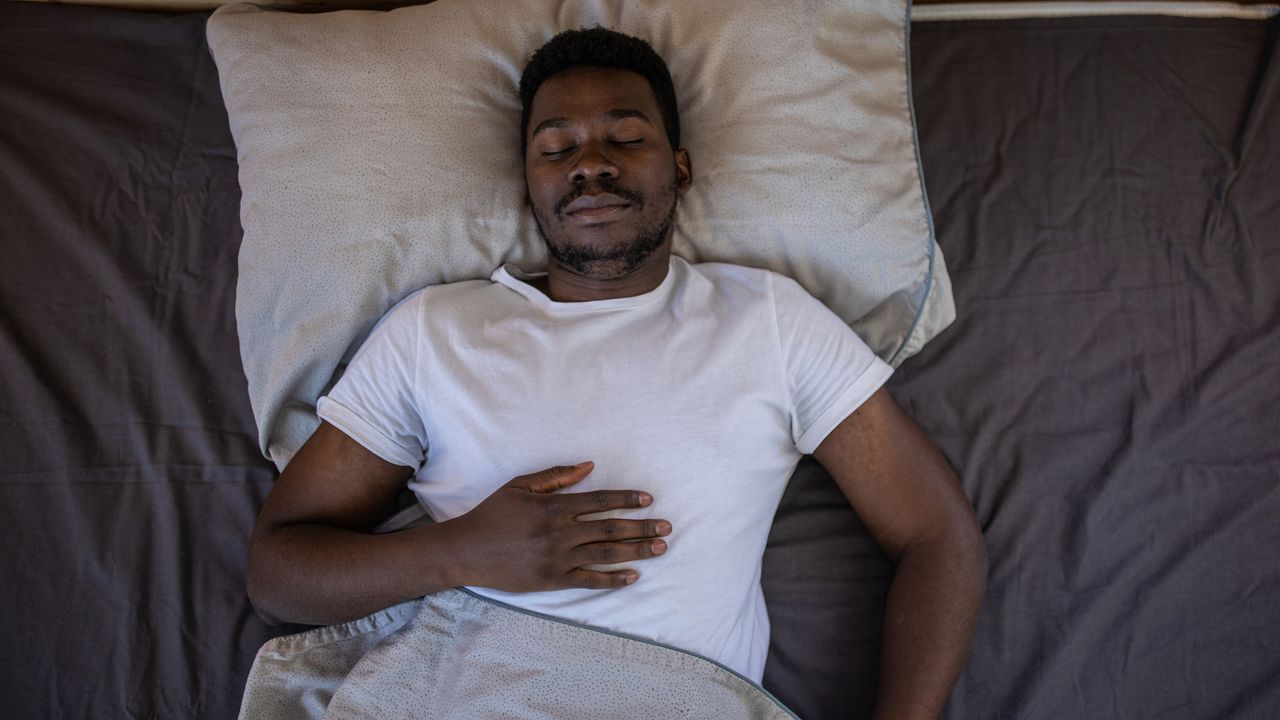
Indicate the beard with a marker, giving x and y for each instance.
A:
(609, 261)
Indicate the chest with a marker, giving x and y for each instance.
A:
(689, 407)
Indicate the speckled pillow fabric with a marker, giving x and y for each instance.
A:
(379, 152)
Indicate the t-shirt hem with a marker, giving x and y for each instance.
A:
(346, 420)
(870, 380)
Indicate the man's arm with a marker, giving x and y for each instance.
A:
(905, 493)
(313, 560)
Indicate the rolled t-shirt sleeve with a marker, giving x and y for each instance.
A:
(375, 401)
(829, 371)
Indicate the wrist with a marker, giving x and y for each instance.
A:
(440, 557)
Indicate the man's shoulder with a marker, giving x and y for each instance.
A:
(743, 285)
(438, 301)
(450, 292)
(463, 293)
(730, 274)
(736, 279)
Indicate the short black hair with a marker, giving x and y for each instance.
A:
(600, 47)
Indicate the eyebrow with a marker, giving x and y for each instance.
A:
(615, 115)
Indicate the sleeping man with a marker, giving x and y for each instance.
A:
(608, 441)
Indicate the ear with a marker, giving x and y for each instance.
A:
(684, 169)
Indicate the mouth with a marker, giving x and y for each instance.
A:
(598, 214)
(597, 207)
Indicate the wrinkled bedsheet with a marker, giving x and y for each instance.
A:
(1108, 192)
(457, 654)
(1105, 194)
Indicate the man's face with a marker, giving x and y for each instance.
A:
(601, 174)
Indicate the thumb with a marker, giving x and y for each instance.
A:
(553, 478)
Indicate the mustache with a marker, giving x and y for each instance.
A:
(604, 185)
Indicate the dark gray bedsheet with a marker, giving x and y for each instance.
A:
(129, 473)
(1106, 194)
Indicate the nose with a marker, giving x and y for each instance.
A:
(593, 163)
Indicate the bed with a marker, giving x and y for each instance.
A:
(1105, 189)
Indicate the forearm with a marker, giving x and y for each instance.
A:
(321, 574)
(929, 618)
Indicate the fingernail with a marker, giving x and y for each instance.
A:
(644, 498)
(584, 463)
(631, 577)
(658, 547)
(664, 527)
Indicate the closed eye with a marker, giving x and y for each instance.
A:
(554, 153)
(637, 141)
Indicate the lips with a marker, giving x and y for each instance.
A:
(593, 205)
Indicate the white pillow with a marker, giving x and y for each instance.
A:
(380, 152)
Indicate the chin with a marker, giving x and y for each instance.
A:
(604, 270)
(607, 252)
(600, 268)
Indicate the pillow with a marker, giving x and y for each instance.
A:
(379, 152)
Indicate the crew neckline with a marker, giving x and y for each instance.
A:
(516, 279)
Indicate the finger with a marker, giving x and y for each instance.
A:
(596, 501)
(591, 531)
(553, 478)
(607, 553)
(601, 580)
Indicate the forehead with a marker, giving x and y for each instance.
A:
(584, 92)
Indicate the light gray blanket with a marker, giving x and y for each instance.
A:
(455, 654)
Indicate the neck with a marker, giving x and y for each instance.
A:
(563, 285)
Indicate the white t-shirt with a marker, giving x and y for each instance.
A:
(703, 392)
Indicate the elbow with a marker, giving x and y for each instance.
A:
(262, 585)
(982, 563)
(260, 601)
(958, 551)
(970, 554)
(962, 536)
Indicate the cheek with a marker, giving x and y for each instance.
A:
(544, 200)
(542, 181)
(659, 177)
(540, 195)
(544, 210)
